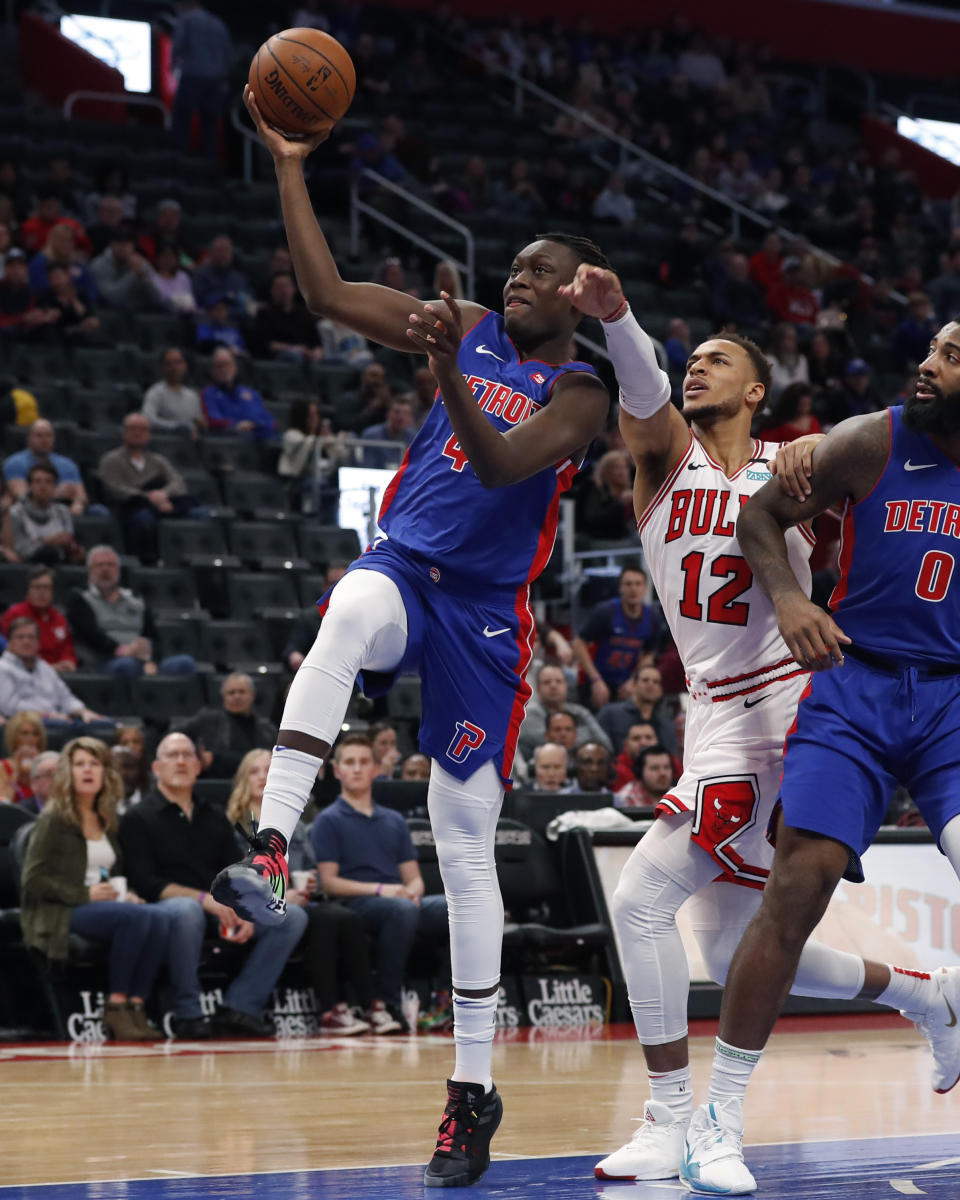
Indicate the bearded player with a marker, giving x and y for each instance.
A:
(695, 472)
(469, 521)
(882, 708)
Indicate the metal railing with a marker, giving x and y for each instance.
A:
(359, 206)
(116, 98)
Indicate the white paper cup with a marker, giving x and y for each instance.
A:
(119, 884)
(301, 880)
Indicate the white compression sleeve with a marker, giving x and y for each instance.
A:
(365, 626)
(644, 388)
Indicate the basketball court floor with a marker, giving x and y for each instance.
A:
(841, 1107)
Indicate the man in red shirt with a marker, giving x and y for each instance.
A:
(56, 643)
(790, 299)
(36, 228)
(765, 264)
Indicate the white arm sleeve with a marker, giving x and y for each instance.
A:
(644, 388)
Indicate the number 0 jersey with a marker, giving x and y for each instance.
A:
(436, 507)
(898, 554)
(724, 626)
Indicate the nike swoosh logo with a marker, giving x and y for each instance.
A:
(696, 466)
(909, 466)
(953, 1015)
(488, 632)
(484, 350)
(754, 703)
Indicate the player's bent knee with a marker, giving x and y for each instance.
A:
(637, 920)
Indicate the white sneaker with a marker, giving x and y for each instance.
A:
(939, 1026)
(654, 1152)
(381, 1019)
(713, 1157)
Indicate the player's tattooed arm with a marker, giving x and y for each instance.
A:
(846, 466)
(377, 312)
(575, 415)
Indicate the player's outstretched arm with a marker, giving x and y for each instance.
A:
(377, 312)
(846, 465)
(577, 411)
(654, 431)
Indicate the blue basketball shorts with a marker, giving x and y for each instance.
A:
(859, 732)
(472, 646)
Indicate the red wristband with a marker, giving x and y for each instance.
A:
(617, 313)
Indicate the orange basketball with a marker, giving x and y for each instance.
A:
(302, 80)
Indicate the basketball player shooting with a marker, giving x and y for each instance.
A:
(469, 522)
(695, 471)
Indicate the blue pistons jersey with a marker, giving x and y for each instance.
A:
(899, 591)
(462, 557)
(437, 508)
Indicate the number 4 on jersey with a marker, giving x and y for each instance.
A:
(452, 451)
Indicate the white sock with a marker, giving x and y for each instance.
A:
(474, 1023)
(674, 1089)
(290, 779)
(910, 991)
(732, 1068)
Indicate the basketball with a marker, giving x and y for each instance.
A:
(302, 80)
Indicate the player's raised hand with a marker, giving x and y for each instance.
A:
(813, 637)
(438, 334)
(279, 145)
(594, 290)
(793, 465)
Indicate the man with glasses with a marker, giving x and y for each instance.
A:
(173, 844)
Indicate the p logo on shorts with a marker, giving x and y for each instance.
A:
(466, 738)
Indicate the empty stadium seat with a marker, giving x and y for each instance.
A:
(328, 543)
(230, 642)
(107, 694)
(246, 491)
(158, 699)
(183, 634)
(181, 539)
(254, 541)
(252, 591)
(223, 453)
(165, 587)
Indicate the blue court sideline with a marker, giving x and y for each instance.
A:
(866, 1169)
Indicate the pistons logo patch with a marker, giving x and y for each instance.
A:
(726, 808)
(467, 738)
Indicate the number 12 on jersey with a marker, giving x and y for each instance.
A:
(723, 607)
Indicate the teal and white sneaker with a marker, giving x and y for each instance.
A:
(713, 1156)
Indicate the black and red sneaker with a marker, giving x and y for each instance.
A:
(470, 1120)
(256, 887)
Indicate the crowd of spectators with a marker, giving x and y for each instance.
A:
(844, 304)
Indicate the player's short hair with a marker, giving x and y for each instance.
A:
(351, 739)
(761, 364)
(586, 249)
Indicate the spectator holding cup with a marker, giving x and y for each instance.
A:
(72, 883)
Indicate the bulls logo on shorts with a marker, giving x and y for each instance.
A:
(468, 737)
(726, 808)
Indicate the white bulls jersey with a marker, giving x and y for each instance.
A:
(724, 626)
(743, 682)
